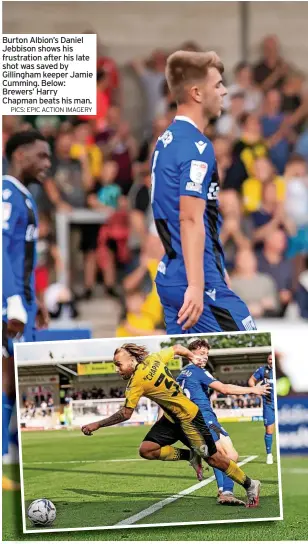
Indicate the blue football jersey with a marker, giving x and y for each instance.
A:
(183, 163)
(195, 382)
(19, 235)
(264, 374)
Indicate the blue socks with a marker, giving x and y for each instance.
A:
(219, 478)
(268, 439)
(228, 484)
(7, 408)
(223, 481)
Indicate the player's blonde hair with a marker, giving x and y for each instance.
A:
(139, 352)
(185, 68)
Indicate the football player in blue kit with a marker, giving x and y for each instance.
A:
(264, 374)
(195, 380)
(192, 282)
(28, 156)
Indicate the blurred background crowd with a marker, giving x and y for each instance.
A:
(102, 163)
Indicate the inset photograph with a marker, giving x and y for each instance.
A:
(149, 431)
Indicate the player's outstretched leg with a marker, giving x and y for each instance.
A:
(155, 452)
(231, 469)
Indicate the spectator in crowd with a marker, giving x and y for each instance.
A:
(48, 256)
(270, 216)
(44, 408)
(83, 144)
(166, 102)
(236, 230)
(136, 322)
(67, 189)
(228, 124)
(141, 211)
(271, 70)
(258, 290)
(112, 240)
(151, 73)
(160, 124)
(70, 178)
(301, 146)
(234, 239)
(296, 177)
(271, 122)
(102, 103)
(118, 144)
(245, 151)
(107, 65)
(58, 299)
(292, 96)
(244, 83)
(264, 172)
(50, 405)
(142, 276)
(222, 148)
(271, 261)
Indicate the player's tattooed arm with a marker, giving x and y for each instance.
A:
(122, 415)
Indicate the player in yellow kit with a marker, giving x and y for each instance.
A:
(149, 376)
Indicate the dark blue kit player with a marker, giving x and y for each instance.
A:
(28, 157)
(192, 282)
(264, 375)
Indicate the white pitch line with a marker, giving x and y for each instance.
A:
(91, 461)
(295, 470)
(159, 505)
(76, 462)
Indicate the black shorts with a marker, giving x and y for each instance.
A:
(194, 434)
(88, 236)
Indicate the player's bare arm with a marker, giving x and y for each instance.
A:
(252, 381)
(193, 241)
(182, 351)
(229, 389)
(119, 417)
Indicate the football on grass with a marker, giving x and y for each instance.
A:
(42, 512)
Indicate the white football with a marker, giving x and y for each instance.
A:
(42, 512)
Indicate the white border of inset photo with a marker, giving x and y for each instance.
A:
(73, 351)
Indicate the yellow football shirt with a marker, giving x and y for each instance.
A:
(152, 305)
(94, 154)
(252, 192)
(152, 379)
(142, 321)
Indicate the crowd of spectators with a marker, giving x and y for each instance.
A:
(96, 393)
(261, 145)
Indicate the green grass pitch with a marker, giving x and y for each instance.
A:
(92, 483)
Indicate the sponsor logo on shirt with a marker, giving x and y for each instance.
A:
(190, 186)
(6, 193)
(201, 146)
(166, 138)
(213, 191)
(31, 233)
(198, 170)
(249, 324)
(6, 214)
(211, 293)
(162, 268)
